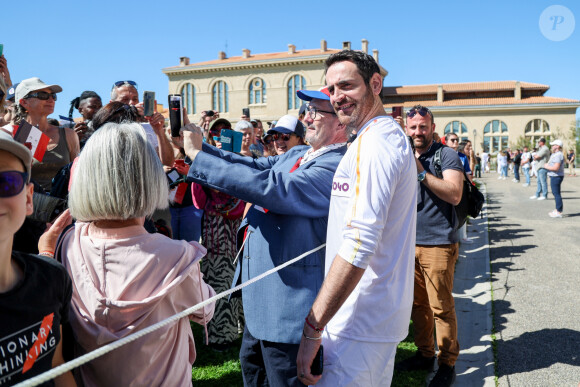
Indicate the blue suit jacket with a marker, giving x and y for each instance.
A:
(298, 204)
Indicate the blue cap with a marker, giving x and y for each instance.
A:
(309, 95)
(11, 92)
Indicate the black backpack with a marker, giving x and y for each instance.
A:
(471, 200)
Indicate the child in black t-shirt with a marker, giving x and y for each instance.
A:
(35, 292)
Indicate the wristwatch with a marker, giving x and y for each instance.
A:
(421, 176)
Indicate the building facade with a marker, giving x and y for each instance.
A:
(493, 115)
(265, 83)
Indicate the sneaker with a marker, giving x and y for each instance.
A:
(444, 377)
(533, 197)
(542, 198)
(416, 362)
(555, 214)
(526, 185)
(516, 181)
(499, 178)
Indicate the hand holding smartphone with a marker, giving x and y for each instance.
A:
(317, 364)
(175, 114)
(148, 103)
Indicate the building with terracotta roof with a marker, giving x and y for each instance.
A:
(493, 115)
(266, 83)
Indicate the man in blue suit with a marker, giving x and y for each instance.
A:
(291, 196)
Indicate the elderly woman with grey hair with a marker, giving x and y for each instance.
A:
(247, 129)
(125, 279)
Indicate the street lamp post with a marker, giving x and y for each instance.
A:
(474, 140)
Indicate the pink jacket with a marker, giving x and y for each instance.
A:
(125, 280)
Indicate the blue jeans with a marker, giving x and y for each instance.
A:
(186, 223)
(527, 174)
(555, 184)
(517, 172)
(542, 182)
(504, 171)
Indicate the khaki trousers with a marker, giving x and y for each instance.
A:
(433, 304)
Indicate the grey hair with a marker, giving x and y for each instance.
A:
(114, 90)
(118, 176)
(243, 125)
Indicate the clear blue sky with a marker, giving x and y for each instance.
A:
(89, 45)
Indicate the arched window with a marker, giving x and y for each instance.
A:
(495, 136)
(458, 128)
(536, 129)
(257, 91)
(297, 82)
(220, 97)
(188, 98)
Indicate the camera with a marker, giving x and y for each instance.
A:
(210, 113)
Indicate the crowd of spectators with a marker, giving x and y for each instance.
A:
(111, 223)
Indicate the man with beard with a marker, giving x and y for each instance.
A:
(363, 308)
(290, 195)
(436, 251)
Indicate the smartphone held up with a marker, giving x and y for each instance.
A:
(148, 103)
(175, 114)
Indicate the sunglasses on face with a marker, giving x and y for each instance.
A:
(276, 136)
(123, 83)
(453, 139)
(12, 183)
(423, 111)
(41, 95)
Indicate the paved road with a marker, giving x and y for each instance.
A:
(535, 263)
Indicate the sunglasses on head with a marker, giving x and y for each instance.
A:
(123, 83)
(276, 136)
(41, 95)
(423, 111)
(12, 183)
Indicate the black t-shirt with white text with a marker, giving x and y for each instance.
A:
(32, 313)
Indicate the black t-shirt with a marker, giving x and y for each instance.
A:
(31, 315)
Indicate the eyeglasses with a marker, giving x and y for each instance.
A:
(423, 111)
(12, 183)
(276, 136)
(41, 95)
(453, 139)
(312, 111)
(123, 83)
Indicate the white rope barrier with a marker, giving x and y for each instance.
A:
(63, 368)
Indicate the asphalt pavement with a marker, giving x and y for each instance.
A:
(534, 278)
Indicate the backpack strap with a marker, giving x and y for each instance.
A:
(437, 163)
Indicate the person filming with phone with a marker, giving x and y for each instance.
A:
(126, 92)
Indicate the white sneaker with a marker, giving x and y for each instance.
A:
(515, 181)
(533, 197)
(499, 178)
(555, 214)
(526, 185)
(542, 198)
(503, 178)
